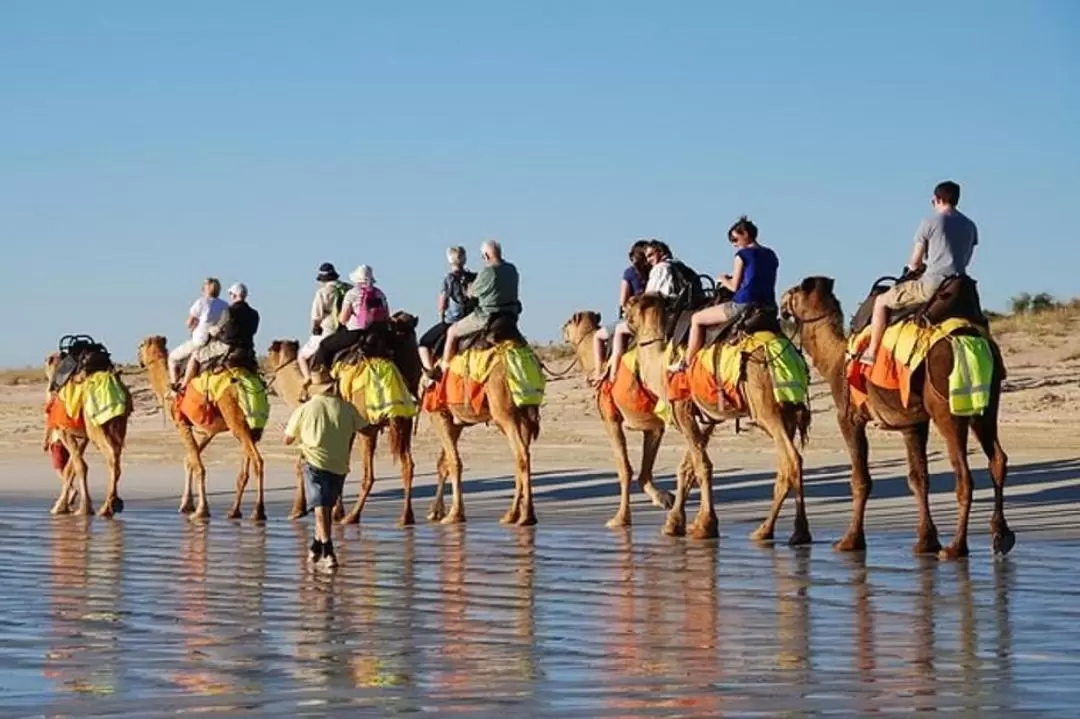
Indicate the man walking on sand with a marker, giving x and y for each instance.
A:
(324, 426)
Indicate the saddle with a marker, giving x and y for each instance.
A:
(235, 358)
(755, 318)
(500, 327)
(78, 354)
(957, 297)
(376, 341)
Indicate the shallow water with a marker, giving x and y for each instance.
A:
(147, 615)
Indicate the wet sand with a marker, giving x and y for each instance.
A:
(148, 615)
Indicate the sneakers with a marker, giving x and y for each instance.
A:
(315, 551)
(328, 561)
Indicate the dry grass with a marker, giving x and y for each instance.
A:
(1055, 322)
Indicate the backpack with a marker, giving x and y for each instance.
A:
(689, 293)
(458, 283)
(337, 301)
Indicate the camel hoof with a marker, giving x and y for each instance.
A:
(662, 498)
(618, 521)
(297, 514)
(762, 534)
(338, 515)
(527, 519)
(258, 516)
(707, 529)
(187, 506)
(953, 551)
(84, 511)
(407, 520)
(350, 518)
(59, 511)
(201, 515)
(436, 511)
(850, 543)
(105, 511)
(234, 514)
(1003, 542)
(434, 516)
(800, 538)
(674, 528)
(511, 517)
(929, 546)
(453, 518)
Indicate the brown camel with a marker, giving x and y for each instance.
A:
(817, 312)
(109, 439)
(153, 356)
(521, 427)
(579, 331)
(696, 421)
(289, 384)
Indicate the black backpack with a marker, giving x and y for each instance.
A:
(458, 282)
(689, 292)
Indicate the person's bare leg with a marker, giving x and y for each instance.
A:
(599, 339)
(305, 370)
(451, 340)
(618, 349)
(877, 329)
(191, 370)
(427, 359)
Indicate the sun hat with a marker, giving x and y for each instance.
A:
(327, 273)
(239, 289)
(362, 275)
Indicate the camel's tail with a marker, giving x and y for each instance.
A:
(401, 434)
(531, 421)
(802, 423)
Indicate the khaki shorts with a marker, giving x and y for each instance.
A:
(470, 325)
(906, 294)
(211, 351)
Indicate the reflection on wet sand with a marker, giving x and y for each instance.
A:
(485, 621)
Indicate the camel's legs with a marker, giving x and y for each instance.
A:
(111, 445)
(252, 461)
(67, 488)
(854, 431)
(521, 510)
(650, 446)
(449, 434)
(915, 440)
(369, 440)
(955, 432)
(675, 524)
(986, 431)
(623, 469)
(705, 524)
(779, 423)
(408, 469)
(437, 510)
(299, 507)
(76, 447)
(194, 472)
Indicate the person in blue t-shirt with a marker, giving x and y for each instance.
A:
(632, 284)
(452, 305)
(753, 280)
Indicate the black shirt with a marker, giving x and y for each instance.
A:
(239, 325)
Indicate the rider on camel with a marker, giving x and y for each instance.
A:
(235, 334)
(325, 309)
(631, 284)
(453, 304)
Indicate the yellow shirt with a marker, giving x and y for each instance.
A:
(324, 427)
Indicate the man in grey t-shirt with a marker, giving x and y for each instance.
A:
(944, 243)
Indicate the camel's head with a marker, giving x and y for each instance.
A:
(282, 352)
(403, 322)
(152, 348)
(645, 314)
(579, 326)
(50, 364)
(810, 300)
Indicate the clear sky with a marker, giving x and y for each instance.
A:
(145, 145)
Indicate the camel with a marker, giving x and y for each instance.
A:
(696, 422)
(819, 317)
(109, 438)
(289, 384)
(521, 427)
(579, 331)
(153, 357)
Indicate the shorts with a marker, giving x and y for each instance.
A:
(323, 488)
(906, 294)
(211, 351)
(470, 325)
(435, 338)
(59, 455)
(311, 346)
(731, 310)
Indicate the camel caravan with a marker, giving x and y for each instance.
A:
(688, 352)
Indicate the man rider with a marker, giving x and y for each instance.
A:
(324, 314)
(496, 292)
(944, 243)
(234, 334)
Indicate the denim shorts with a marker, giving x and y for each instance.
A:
(323, 488)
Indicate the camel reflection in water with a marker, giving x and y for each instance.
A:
(86, 598)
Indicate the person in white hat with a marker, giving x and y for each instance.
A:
(234, 334)
(363, 306)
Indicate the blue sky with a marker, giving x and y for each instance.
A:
(146, 145)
